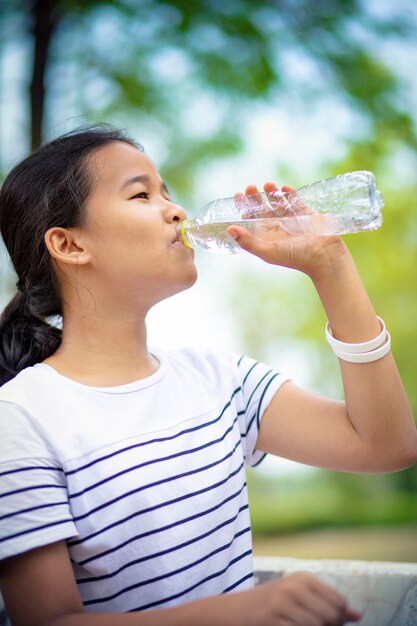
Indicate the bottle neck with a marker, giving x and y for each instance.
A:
(184, 230)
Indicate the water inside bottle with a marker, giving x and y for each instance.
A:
(214, 236)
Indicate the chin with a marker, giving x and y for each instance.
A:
(190, 280)
(186, 282)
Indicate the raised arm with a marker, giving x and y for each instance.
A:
(373, 430)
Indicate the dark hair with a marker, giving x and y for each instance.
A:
(48, 188)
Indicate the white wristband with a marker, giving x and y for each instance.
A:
(357, 348)
(366, 357)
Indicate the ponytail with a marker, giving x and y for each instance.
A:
(25, 338)
(49, 188)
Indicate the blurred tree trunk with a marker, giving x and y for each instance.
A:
(44, 19)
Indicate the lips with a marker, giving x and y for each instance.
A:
(177, 238)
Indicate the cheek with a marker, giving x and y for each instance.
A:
(125, 239)
(138, 254)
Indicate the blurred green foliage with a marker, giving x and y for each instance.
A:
(321, 499)
(189, 72)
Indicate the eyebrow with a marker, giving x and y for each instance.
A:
(141, 178)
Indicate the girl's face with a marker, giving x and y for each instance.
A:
(130, 230)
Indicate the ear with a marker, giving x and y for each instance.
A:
(65, 245)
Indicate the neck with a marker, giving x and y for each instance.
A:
(104, 349)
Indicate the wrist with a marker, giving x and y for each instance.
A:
(343, 296)
(331, 261)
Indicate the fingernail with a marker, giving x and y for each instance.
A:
(233, 233)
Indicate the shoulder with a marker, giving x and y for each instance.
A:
(22, 433)
(23, 385)
(14, 405)
(217, 370)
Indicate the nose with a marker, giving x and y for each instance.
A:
(174, 212)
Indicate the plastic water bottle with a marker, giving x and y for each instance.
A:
(348, 203)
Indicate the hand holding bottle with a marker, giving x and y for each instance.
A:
(303, 252)
(347, 203)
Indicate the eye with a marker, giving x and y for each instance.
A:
(142, 194)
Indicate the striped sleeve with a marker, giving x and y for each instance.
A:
(34, 508)
(258, 384)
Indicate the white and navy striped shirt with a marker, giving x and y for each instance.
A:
(144, 481)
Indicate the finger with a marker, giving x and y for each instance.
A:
(273, 205)
(239, 200)
(251, 190)
(335, 601)
(296, 205)
(353, 616)
(300, 616)
(270, 186)
(278, 201)
(324, 601)
(326, 591)
(255, 203)
(278, 204)
(250, 205)
(321, 607)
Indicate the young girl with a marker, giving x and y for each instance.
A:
(122, 483)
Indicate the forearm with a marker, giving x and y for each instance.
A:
(224, 610)
(376, 401)
(297, 599)
(348, 308)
